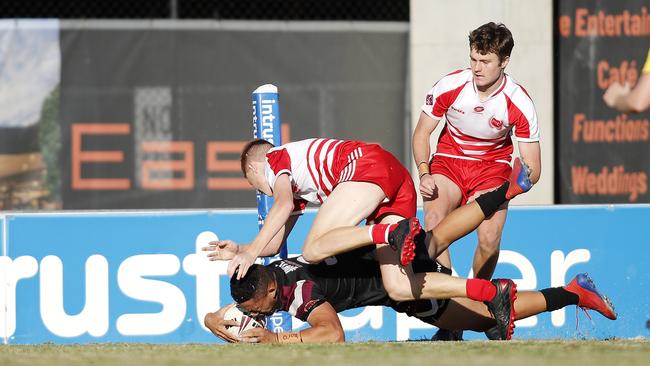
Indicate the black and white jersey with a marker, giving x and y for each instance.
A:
(347, 281)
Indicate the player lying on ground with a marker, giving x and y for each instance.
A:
(315, 293)
(497, 295)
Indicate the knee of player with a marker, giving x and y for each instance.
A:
(431, 220)
(489, 240)
(311, 255)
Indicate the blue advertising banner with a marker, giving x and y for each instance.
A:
(141, 277)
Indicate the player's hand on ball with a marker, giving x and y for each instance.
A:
(221, 250)
(258, 335)
(241, 263)
(217, 324)
(428, 187)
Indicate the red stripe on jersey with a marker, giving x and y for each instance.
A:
(279, 160)
(503, 153)
(505, 80)
(483, 148)
(318, 167)
(445, 100)
(447, 145)
(328, 168)
(517, 118)
(467, 138)
(311, 173)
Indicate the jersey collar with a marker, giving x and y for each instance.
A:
(499, 89)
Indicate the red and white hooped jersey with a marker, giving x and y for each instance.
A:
(480, 130)
(315, 166)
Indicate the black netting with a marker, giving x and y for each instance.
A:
(84, 9)
(379, 10)
(296, 9)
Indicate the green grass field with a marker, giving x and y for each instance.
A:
(528, 353)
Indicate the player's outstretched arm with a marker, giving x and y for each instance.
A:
(325, 327)
(217, 324)
(224, 250)
(275, 221)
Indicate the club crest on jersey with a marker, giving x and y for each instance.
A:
(479, 109)
(496, 123)
(429, 99)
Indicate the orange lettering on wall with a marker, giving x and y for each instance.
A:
(564, 25)
(581, 23)
(285, 133)
(80, 156)
(185, 165)
(608, 74)
(214, 164)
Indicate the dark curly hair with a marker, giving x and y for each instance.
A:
(492, 37)
(252, 286)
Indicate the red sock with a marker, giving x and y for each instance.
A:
(379, 232)
(480, 290)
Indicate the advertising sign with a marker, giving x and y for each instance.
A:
(603, 154)
(141, 276)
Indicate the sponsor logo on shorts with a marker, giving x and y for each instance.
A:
(479, 109)
(496, 123)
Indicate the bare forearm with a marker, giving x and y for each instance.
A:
(536, 170)
(421, 142)
(267, 251)
(321, 334)
(272, 231)
(317, 334)
(531, 153)
(421, 153)
(273, 247)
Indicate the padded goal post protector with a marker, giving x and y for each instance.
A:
(266, 125)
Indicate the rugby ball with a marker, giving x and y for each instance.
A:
(245, 322)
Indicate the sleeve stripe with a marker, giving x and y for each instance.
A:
(523, 126)
(283, 171)
(445, 100)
